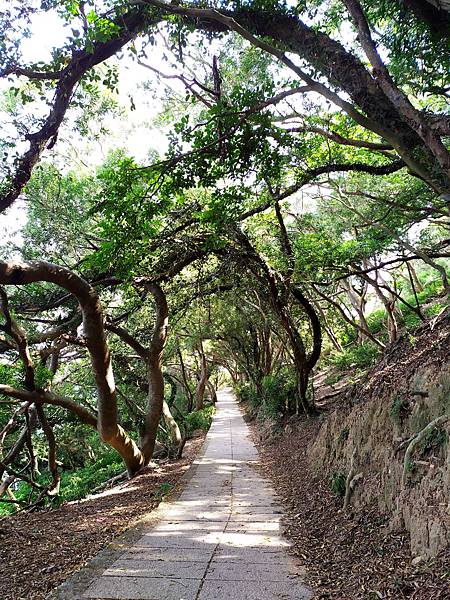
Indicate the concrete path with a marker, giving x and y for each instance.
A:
(220, 540)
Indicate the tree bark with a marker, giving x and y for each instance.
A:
(175, 432)
(358, 301)
(201, 386)
(212, 391)
(187, 389)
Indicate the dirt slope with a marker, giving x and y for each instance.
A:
(393, 541)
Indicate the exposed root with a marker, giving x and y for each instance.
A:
(351, 481)
(416, 439)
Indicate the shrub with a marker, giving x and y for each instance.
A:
(246, 392)
(337, 483)
(363, 356)
(278, 392)
(78, 483)
(376, 321)
(276, 397)
(199, 419)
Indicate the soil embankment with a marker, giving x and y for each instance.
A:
(393, 539)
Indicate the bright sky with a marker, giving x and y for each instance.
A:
(135, 134)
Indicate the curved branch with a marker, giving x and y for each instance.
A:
(311, 174)
(81, 62)
(39, 75)
(85, 416)
(329, 57)
(410, 114)
(128, 339)
(339, 139)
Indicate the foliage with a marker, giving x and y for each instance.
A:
(276, 398)
(338, 483)
(75, 484)
(362, 356)
(278, 394)
(199, 419)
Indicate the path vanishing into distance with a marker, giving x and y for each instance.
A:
(220, 539)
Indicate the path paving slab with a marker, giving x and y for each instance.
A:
(151, 568)
(253, 590)
(230, 571)
(142, 588)
(220, 540)
(174, 555)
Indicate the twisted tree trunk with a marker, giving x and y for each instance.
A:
(157, 407)
(155, 374)
(14, 273)
(201, 386)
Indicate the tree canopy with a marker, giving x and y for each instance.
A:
(226, 189)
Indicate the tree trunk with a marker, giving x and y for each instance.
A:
(155, 374)
(187, 389)
(175, 432)
(200, 391)
(328, 328)
(212, 391)
(415, 278)
(389, 303)
(12, 273)
(358, 301)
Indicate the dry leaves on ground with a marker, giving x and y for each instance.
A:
(39, 550)
(347, 557)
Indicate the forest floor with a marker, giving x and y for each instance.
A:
(347, 557)
(39, 550)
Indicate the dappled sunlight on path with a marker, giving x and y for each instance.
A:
(220, 539)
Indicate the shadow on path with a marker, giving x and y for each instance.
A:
(220, 539)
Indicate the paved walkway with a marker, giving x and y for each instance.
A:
(220, 539)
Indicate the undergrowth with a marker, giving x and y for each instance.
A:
(275, 398)
(338, 482)
(100, 464)
(363, 356)
(199, 419)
